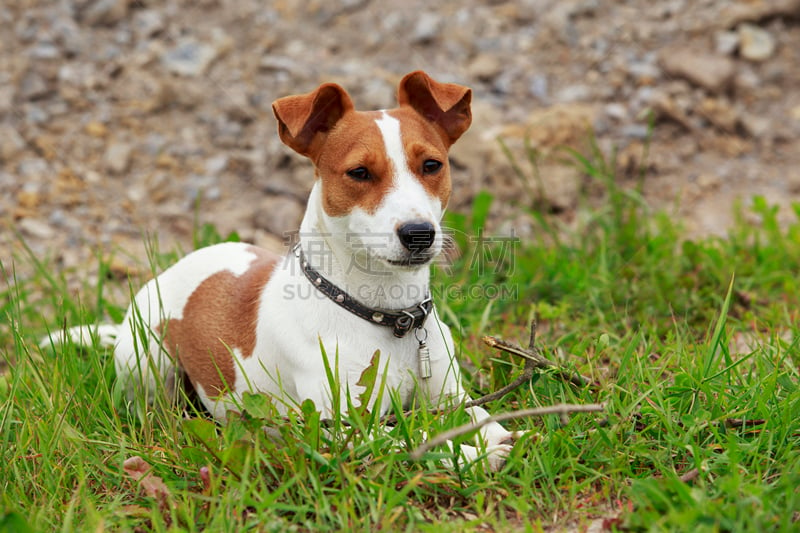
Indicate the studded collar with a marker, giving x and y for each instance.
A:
(400, 320)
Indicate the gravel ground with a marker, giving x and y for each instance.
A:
(120, 118)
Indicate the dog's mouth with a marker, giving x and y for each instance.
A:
(412, 260)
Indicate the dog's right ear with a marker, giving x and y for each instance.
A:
(304, 119)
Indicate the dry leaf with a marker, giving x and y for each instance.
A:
(153, 486)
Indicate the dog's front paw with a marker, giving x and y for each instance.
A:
(494, 456)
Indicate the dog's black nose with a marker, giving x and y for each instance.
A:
(417, 236)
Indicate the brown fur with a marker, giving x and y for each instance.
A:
(356, 141)
(220, 316)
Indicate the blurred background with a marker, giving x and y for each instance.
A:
(121, 118)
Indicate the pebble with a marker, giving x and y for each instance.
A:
(11, 142)
(45, 50)
(636, 131)
(644, 72)
(278, 215)
(539, 87)
(214, 166)
(33, 168)
(427, 28)
(192, 58)
(574, 93)
(147, 23)
(105, 12)
(754, 11)
(117, 158)
(616, 111)
(34, 86)
(712, 72)
(274, 63)
(726, 42)
(34, 227)
(69, 36)
(485, 67)
(189, 58)
(755, 43)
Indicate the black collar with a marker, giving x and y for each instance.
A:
(400, 320)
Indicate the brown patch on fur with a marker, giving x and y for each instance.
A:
(220, 316)
(422, 140)
(356, 141)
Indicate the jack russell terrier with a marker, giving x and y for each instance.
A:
(233, 317)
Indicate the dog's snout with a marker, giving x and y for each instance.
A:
(416, 236)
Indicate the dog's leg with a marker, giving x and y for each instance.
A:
(497, 441)
(145, 370)
(444, 386)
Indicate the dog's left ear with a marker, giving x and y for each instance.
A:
(444, 104)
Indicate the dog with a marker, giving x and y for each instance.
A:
(232, 317)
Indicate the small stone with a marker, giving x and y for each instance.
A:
(29, 199)
(574, 93)
(214, 166)
(720, 113)
(118, 157)
(736, 12)
(616, 111)
(709, 181)
(709, 71)
(96, 129)
(485, 67)
(189, 58)
(192, 58)
(277, 63)
(6, 98)
(644, 72)
(45, 51)
(428, 27)
(34, 86)
(68, 35)
(560, 186)
(227, 133)
(278, 215)
(147, 23)
(36, 114)
(636, 131)
(755, 43)
(11, 142)
(33, 168)
(538, 87)
(34, 227)
(105, 12)
(756, 126)
(726, 42)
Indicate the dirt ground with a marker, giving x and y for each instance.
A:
(120, 118)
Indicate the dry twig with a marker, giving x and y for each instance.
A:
(560, 409)
(533, 360)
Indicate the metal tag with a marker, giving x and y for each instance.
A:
(424, 355)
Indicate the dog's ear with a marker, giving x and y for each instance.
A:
(444, 104)
(304, 119)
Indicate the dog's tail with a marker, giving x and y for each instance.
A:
(102, 334)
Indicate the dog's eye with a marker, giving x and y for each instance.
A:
(359, 174)
(431, 166)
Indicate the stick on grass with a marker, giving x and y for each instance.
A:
(559, 409)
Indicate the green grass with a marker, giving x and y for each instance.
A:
(693, 345)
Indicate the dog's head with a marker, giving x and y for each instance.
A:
(384, 175)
